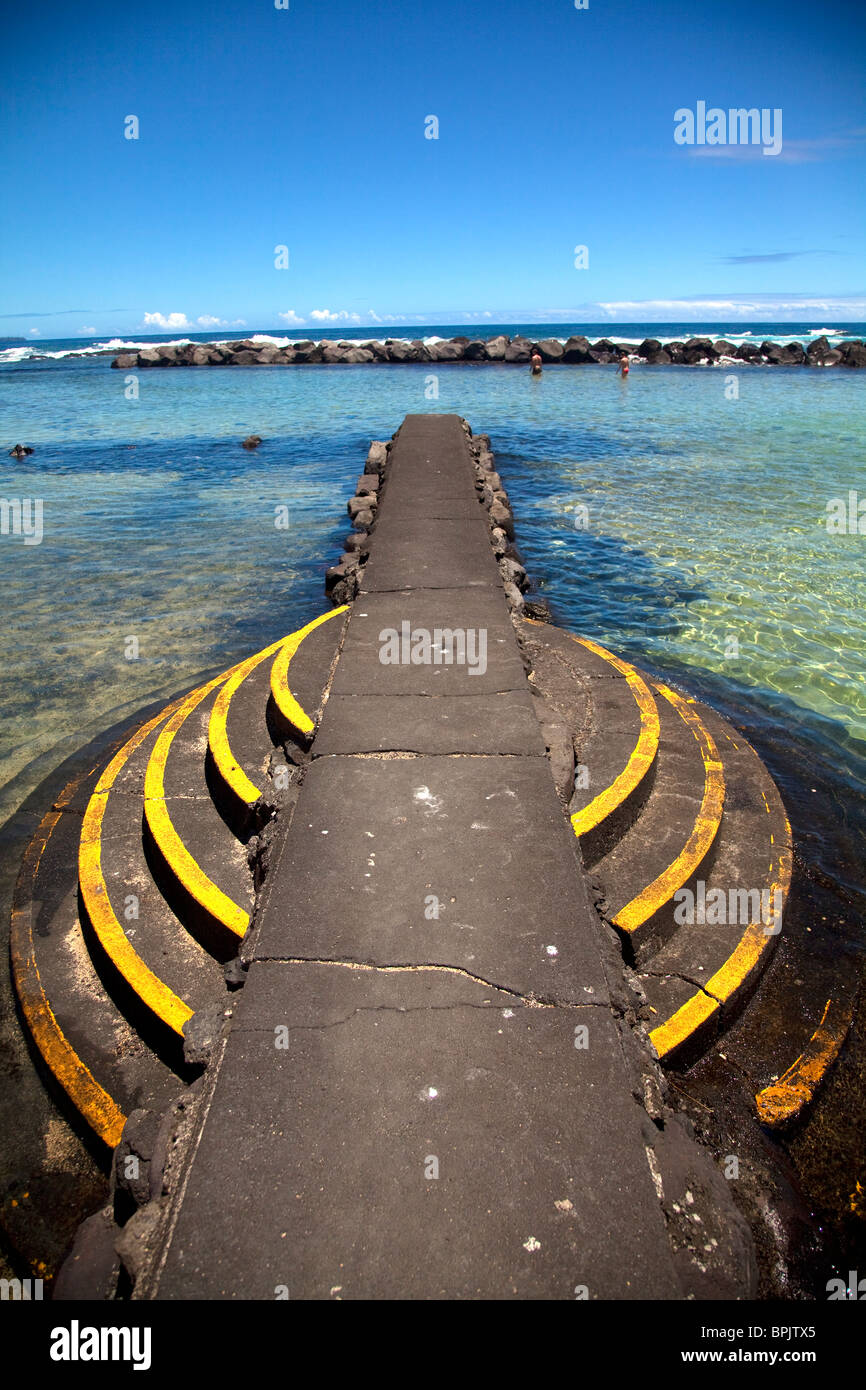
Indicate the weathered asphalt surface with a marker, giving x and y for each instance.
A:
(428, 1090)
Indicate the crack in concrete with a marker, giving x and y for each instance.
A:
(531, 1001)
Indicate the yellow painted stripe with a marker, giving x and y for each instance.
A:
(189, 873)
(92, 1101)
(706, 826)
(642, 755)
(224, 759)
(748, 957)
(690, 1017)
(283, 697)
(153, 992)
(787, 1097)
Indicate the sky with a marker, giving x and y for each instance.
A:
(307, 127)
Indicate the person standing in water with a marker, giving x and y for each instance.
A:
(535, 362)
(623, 366)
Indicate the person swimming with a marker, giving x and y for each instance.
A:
(623, 366)
(535, 362)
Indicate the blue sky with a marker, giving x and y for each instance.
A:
(305, 127)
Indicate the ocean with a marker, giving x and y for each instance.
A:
(668, 518)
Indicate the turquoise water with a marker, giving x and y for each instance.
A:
(704, 552)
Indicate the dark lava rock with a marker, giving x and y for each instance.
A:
(126, 360)
(551, 350)
(853, 354)
(577, 350)
(497, 348)
(724, 348)
(518, 350)
(476, 351)
(446, 351)
(662, 358)
(649, 347)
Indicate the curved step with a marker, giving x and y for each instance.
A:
(648, 914)
(704, 975)
(290, 692)
(87, 1045)
(595, 821)
(612, 714)
(239, 737)
(168, 973)
(179, 812)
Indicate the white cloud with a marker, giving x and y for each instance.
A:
(291, 318)
(209, 321)
(341, 316)
(33, 333)
(756, 306)
(89, 330)
(175, 320)
(238, 323)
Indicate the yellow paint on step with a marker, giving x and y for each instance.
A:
(786, 1099)
(91, 1100)
(168, 1007)
(218, 906)
(225, 761)
(707, 822)
(642, 755)
(284, 699)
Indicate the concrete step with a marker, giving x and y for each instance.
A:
(612, 714)
(98, 1064)
(246, 723)
(196, 859)
(160, 968)
(706, 972)
(702, 810)
(667, 847)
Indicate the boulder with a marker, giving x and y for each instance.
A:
(649, 347)
(169, 353)
(662, 358)
(518, 350)
(377, 350)
(476, 351)
(357, 354)
(603, 355)
(245, 358)
(820, 354)
(604, 345)
(724, 348)
(446, 351)
(748, 352)
(270, 355)
(695, 349)
(377, 457)
(501, 516)
(577, 349)
(421, 349)
(368, 485)
(333, 352)
(772, 352)
(675, 350)
(551, 349)
(497, 347)
(357, 505)
(796, 352)
(853, 354)
(125, 361)
(149, 357)
(203, 357)
(401, 351)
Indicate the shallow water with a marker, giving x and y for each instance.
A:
(704, 552)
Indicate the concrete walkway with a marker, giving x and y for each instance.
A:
(427, 1090)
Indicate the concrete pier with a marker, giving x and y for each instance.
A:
(432, 1085)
